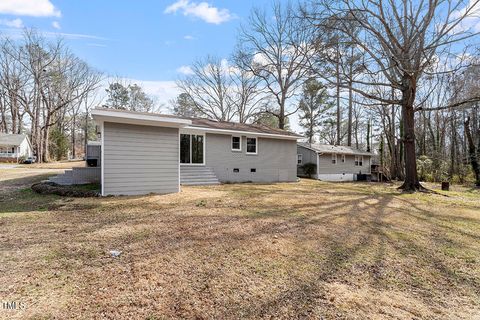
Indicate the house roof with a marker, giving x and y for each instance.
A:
(235, 126)
(11, 139)
(327, 148)
(198, 123)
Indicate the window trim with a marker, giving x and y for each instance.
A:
(334, 157)
(256, 146)
(204, 143)
(299, 157)
(231, 143)
(358, 161)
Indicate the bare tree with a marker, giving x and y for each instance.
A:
(277, 50)
(400, 39)
(209, 87)
(248, 95)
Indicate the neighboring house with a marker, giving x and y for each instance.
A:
(14, 146)
(334, 163)
(146, 152)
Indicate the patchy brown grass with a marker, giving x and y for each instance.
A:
(298, 250)
(55, 165)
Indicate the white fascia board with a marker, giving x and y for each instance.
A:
(139, 119)
(246, 133)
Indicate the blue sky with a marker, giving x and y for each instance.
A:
(148, 40)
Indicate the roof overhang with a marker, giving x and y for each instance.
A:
(348, 153)
(102, 115)
(245, 133)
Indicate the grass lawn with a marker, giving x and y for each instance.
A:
(299, 250)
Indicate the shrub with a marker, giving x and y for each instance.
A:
(309, 169)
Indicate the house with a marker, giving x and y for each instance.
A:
(146, 152)
(14, 146)
(334, 163)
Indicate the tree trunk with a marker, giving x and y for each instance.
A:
(350, 107)
(73, 138)
(411, 182)
(368, 136)
(472, 152)
(281, 115)
(339, 116)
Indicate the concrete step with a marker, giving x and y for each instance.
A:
(203, 183)
(196, 176)
(200, 181)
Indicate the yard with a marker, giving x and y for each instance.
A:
(299, 250)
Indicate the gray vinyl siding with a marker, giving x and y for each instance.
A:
(308, 156)
(275, 160)
(140, 159)
(326, 166)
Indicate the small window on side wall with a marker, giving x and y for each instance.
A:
(343, 158)
(251, 145)
(359, 161)
(334, 158)
(236, 143)
(299, 159)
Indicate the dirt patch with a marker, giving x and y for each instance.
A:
(65, 191)
(307, 250)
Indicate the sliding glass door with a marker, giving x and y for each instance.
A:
(191, 149)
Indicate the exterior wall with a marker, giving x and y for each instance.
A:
(22, 150)
(25, 149)
(275, 160)
(140, 159)
(337, 177)
(308, 156)
(327, 167)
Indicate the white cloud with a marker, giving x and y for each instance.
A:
(471, 21)
(100, 45)
(15, 23)
(162, 91)
(189, 37)
(35, 8)
(56, 25)
(201, 10)
(186, 70)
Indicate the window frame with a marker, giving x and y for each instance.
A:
(256, 146)
(334, 158)
(240, 144)
(299, 158)
(190, 133)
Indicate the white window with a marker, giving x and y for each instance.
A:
(299, 159)
(359, 161)
(334, 158)
(343, 158)
(251, 145)
(236, 143)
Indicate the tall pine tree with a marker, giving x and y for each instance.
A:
(313, 107)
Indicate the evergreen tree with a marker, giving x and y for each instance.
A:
(184, 106)
(313, 107)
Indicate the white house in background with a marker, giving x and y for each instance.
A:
(334, 163)
(14, 147)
